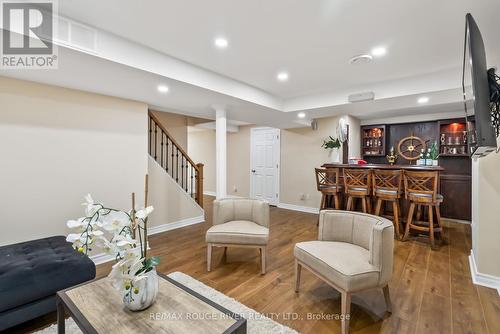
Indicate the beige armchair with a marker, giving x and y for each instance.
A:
(239, 222)
(354, 252)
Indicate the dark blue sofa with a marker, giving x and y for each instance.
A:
(32, 272)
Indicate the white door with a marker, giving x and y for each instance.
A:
(265, 164)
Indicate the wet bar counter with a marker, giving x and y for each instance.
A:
(387, 166)
(403, 203)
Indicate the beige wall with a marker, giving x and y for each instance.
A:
(238, 162)
(171, 203)
(485, 217)
(201, 148)
(301, 152)
(59, 144)
(354, 136)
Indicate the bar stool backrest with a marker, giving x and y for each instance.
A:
(421, 184)
(327, 178)
(357, 178)
(387, 180)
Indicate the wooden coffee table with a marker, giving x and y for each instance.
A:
(96, 307)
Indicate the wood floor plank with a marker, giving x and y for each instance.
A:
(468, 316)
(490, 302)
(438, 277)
(435, 315)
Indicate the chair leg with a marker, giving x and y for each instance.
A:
(409, 220)
(431, 227)
(263, 260)
(438, 221)
(337, 202)
(395, 210)
(323, 200)
(209, 256)
(369, 204)
(363, 203)
(419, 212)
(349, 203)
(387, 297)
(378, 206)
(346, 309)
(298, 270)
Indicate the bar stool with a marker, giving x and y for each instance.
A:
(387, 187)
(327, 181)
(357, 185)
(421, 189)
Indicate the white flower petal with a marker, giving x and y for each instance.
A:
(72, 237)
(143, 213)
(73, 223)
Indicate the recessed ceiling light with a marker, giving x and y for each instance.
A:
(301, 115)
(378, 51)
(282, 76)
(423, 99)
(163, 89)
(221, 43)
(360, 59)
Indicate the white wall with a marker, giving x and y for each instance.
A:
(485, 214)
(201, 149)
(354, 136)
(171, 203)
(56, 145)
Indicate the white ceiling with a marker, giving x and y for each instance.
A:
(141, 44)
(312, 40)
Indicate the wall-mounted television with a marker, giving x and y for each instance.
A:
(481, 133)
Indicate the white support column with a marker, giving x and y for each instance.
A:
(220, 152)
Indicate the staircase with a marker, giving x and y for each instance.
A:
(174, 160)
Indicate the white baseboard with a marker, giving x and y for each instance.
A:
(293, 207)
(175, 225)
(486, 280)
(103, 258)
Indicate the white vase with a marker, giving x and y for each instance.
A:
(434, 162)
(334, 155)
(146, 293)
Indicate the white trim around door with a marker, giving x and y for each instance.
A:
(265, 164)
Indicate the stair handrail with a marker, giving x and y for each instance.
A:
(198, 167)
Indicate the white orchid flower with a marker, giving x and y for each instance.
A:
(115, 221)
(72, 237)
(74, 223)
(124, 241)
(133, 253)
(143, 213)
(90, 206)
(97, 233)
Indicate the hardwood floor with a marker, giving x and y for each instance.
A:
(432, 291)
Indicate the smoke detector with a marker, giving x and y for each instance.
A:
(360, 59)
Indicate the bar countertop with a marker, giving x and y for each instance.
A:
(383, 166)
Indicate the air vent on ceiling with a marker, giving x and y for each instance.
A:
(76, 35)
(360, 97)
